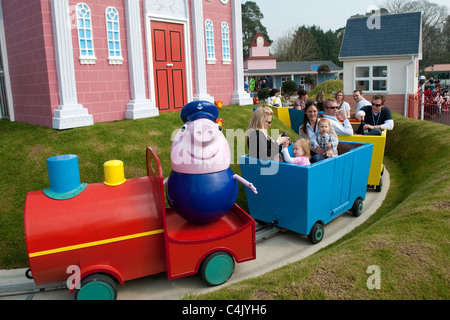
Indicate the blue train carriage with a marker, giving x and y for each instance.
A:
(296, 116)
(303, 199)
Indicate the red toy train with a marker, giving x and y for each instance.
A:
(119, 231)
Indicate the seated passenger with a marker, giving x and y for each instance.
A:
(325, 140)
(376, 117)
(331, 112)
(301, 151)
(274, 100)
(259, 143)
(310, 127)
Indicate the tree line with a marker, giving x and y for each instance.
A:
(305, 43)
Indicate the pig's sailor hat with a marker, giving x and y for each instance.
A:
(199, 110)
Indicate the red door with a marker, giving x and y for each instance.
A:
(169, 65)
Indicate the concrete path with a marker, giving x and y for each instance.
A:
(273, 253)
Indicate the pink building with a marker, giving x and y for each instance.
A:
(68, 64)
(259, 55)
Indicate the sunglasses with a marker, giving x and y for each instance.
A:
(269, 122)
(376, 105)
(333, 107)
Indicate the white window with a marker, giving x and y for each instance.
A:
(113, 36)
(371, 78)
(226, 55)
(302, 80)
(209, 32)
(85, 37)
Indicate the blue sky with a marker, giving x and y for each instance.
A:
(282, 15)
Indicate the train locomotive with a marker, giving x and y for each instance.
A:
(101, 234)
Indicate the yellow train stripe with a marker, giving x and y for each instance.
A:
(95, 243)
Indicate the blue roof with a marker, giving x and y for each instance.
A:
(398, 34)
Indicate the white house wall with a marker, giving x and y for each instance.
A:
(396, 74)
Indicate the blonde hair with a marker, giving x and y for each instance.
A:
(325, 120)
(258, 118)
(320, 96)
(305, 145)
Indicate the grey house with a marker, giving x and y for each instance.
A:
(381, 54)
(296, 71)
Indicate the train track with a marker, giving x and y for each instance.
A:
(263, 232)
(28, 289)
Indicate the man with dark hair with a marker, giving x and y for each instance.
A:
(360, 100)
(376, 117)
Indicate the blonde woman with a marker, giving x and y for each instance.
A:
(260, 144)
(320, 98)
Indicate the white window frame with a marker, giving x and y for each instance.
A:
(85, 34)
(209, 41)
(226, 51)
(113, 35)
(371, 78)
(302, 80)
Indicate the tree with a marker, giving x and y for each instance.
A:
(251, 23)
(309, 43)
(289, 87)
(433, 26)
(323, 69)
(263, 94)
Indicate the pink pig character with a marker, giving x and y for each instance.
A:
(201, 188)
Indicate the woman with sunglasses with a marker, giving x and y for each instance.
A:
(259, 143)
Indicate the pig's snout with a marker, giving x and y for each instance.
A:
(205, 133)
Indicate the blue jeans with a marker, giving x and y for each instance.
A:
(316, 157)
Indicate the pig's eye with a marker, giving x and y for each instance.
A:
(220, 127)
(183, 129)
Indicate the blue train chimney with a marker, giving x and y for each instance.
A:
(64, 176)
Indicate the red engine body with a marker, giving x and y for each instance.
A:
(116, 230)
(124, 231)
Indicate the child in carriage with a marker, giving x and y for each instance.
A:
(325, 140)
(301, 151)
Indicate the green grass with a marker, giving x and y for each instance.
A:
(25, 148)
(328, 87)
(407, 237)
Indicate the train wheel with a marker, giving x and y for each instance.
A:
(217, 268)
(316, 233)
(380, 186)
(357, 208)
(97, 287)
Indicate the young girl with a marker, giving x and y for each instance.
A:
(325, 140)
(301, 151)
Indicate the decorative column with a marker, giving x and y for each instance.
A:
(240, 96)
(70, 114)
(139, 106)
(199, 52)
